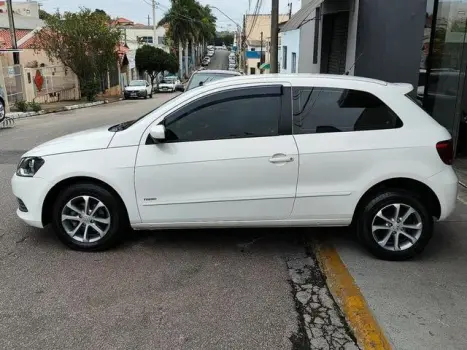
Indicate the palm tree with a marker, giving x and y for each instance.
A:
(189, 21)
(180, 27)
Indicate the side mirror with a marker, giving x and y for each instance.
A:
(157, 132)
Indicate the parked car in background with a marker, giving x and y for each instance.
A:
(2, 104)
(206, 61)
(169, 83)
(137, 89)
(201, 77)
(244, 152)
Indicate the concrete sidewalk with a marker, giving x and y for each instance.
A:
(64, 106)
(420, 304)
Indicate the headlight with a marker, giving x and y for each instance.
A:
(29, 166)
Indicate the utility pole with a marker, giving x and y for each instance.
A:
(149, 20)
(290, 10)
(274, 35)
(261, 53)
(11, 20)
(154, 40)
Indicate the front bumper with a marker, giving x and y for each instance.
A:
(445, 186)
(135, 94)
(31, 191)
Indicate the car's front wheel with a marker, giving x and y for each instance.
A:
(88, 217)
(395, 225)
(2, 110)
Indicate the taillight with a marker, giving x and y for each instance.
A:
(445, 151)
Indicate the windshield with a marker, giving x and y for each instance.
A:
(138, 83)
(127, 124)
(168, 81)
(196, 79)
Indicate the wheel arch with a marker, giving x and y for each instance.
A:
(51, 196)
(426, 194)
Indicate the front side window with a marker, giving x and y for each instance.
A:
(240, 117)
(324, 110)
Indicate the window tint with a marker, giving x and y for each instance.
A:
(320, 110)
(234, 118)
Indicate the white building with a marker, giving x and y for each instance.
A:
(23, 8)
(320, 38)
(134, 36)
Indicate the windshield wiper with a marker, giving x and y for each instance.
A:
(122, 126)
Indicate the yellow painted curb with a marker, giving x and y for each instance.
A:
(351, 301)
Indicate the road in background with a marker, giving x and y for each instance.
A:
(210, 289)
(220, 60)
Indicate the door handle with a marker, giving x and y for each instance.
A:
(280, 158)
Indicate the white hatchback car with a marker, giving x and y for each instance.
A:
(277, 150)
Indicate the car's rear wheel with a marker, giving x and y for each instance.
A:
(395, 225)
(88, 217)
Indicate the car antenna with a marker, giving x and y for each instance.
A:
(353, 65)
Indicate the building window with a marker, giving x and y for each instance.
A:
(294, 62)
(161, 40)
(324, 110)
(145, 39)
(316, 38)
(284, 57)
(252, 70)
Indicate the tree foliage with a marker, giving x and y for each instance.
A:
(44, 14)
(188, 20)
(83, 41)
(154, 61)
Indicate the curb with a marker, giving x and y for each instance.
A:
(368, 332)
(18, 115)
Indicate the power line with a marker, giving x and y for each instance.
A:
(255, 17)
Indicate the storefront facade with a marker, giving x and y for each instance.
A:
(442, 85)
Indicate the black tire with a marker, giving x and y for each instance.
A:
(118, 217)
(382, 200)
(2, 112)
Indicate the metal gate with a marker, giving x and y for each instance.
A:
(335, 29)
(13, 84)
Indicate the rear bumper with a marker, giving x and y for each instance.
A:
(445, 186)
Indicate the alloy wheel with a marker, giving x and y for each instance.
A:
(397, 227)
(86, 219)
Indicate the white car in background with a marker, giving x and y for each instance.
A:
(169, 83)
(137, 89)
(252, 151)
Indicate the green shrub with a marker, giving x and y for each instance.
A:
(36, 107)
(22, 106)
(90, 89)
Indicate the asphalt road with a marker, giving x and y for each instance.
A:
(211, 289)
(220, 60)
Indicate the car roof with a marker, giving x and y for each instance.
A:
(216, 71)
(344, 81)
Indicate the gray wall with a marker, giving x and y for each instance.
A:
(389, 39)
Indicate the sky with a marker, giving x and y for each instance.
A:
(138, 10)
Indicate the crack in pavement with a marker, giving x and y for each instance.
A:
(322, 325)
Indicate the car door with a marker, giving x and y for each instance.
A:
(229, 156)
(345, 138)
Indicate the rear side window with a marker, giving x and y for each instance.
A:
(324, 110)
